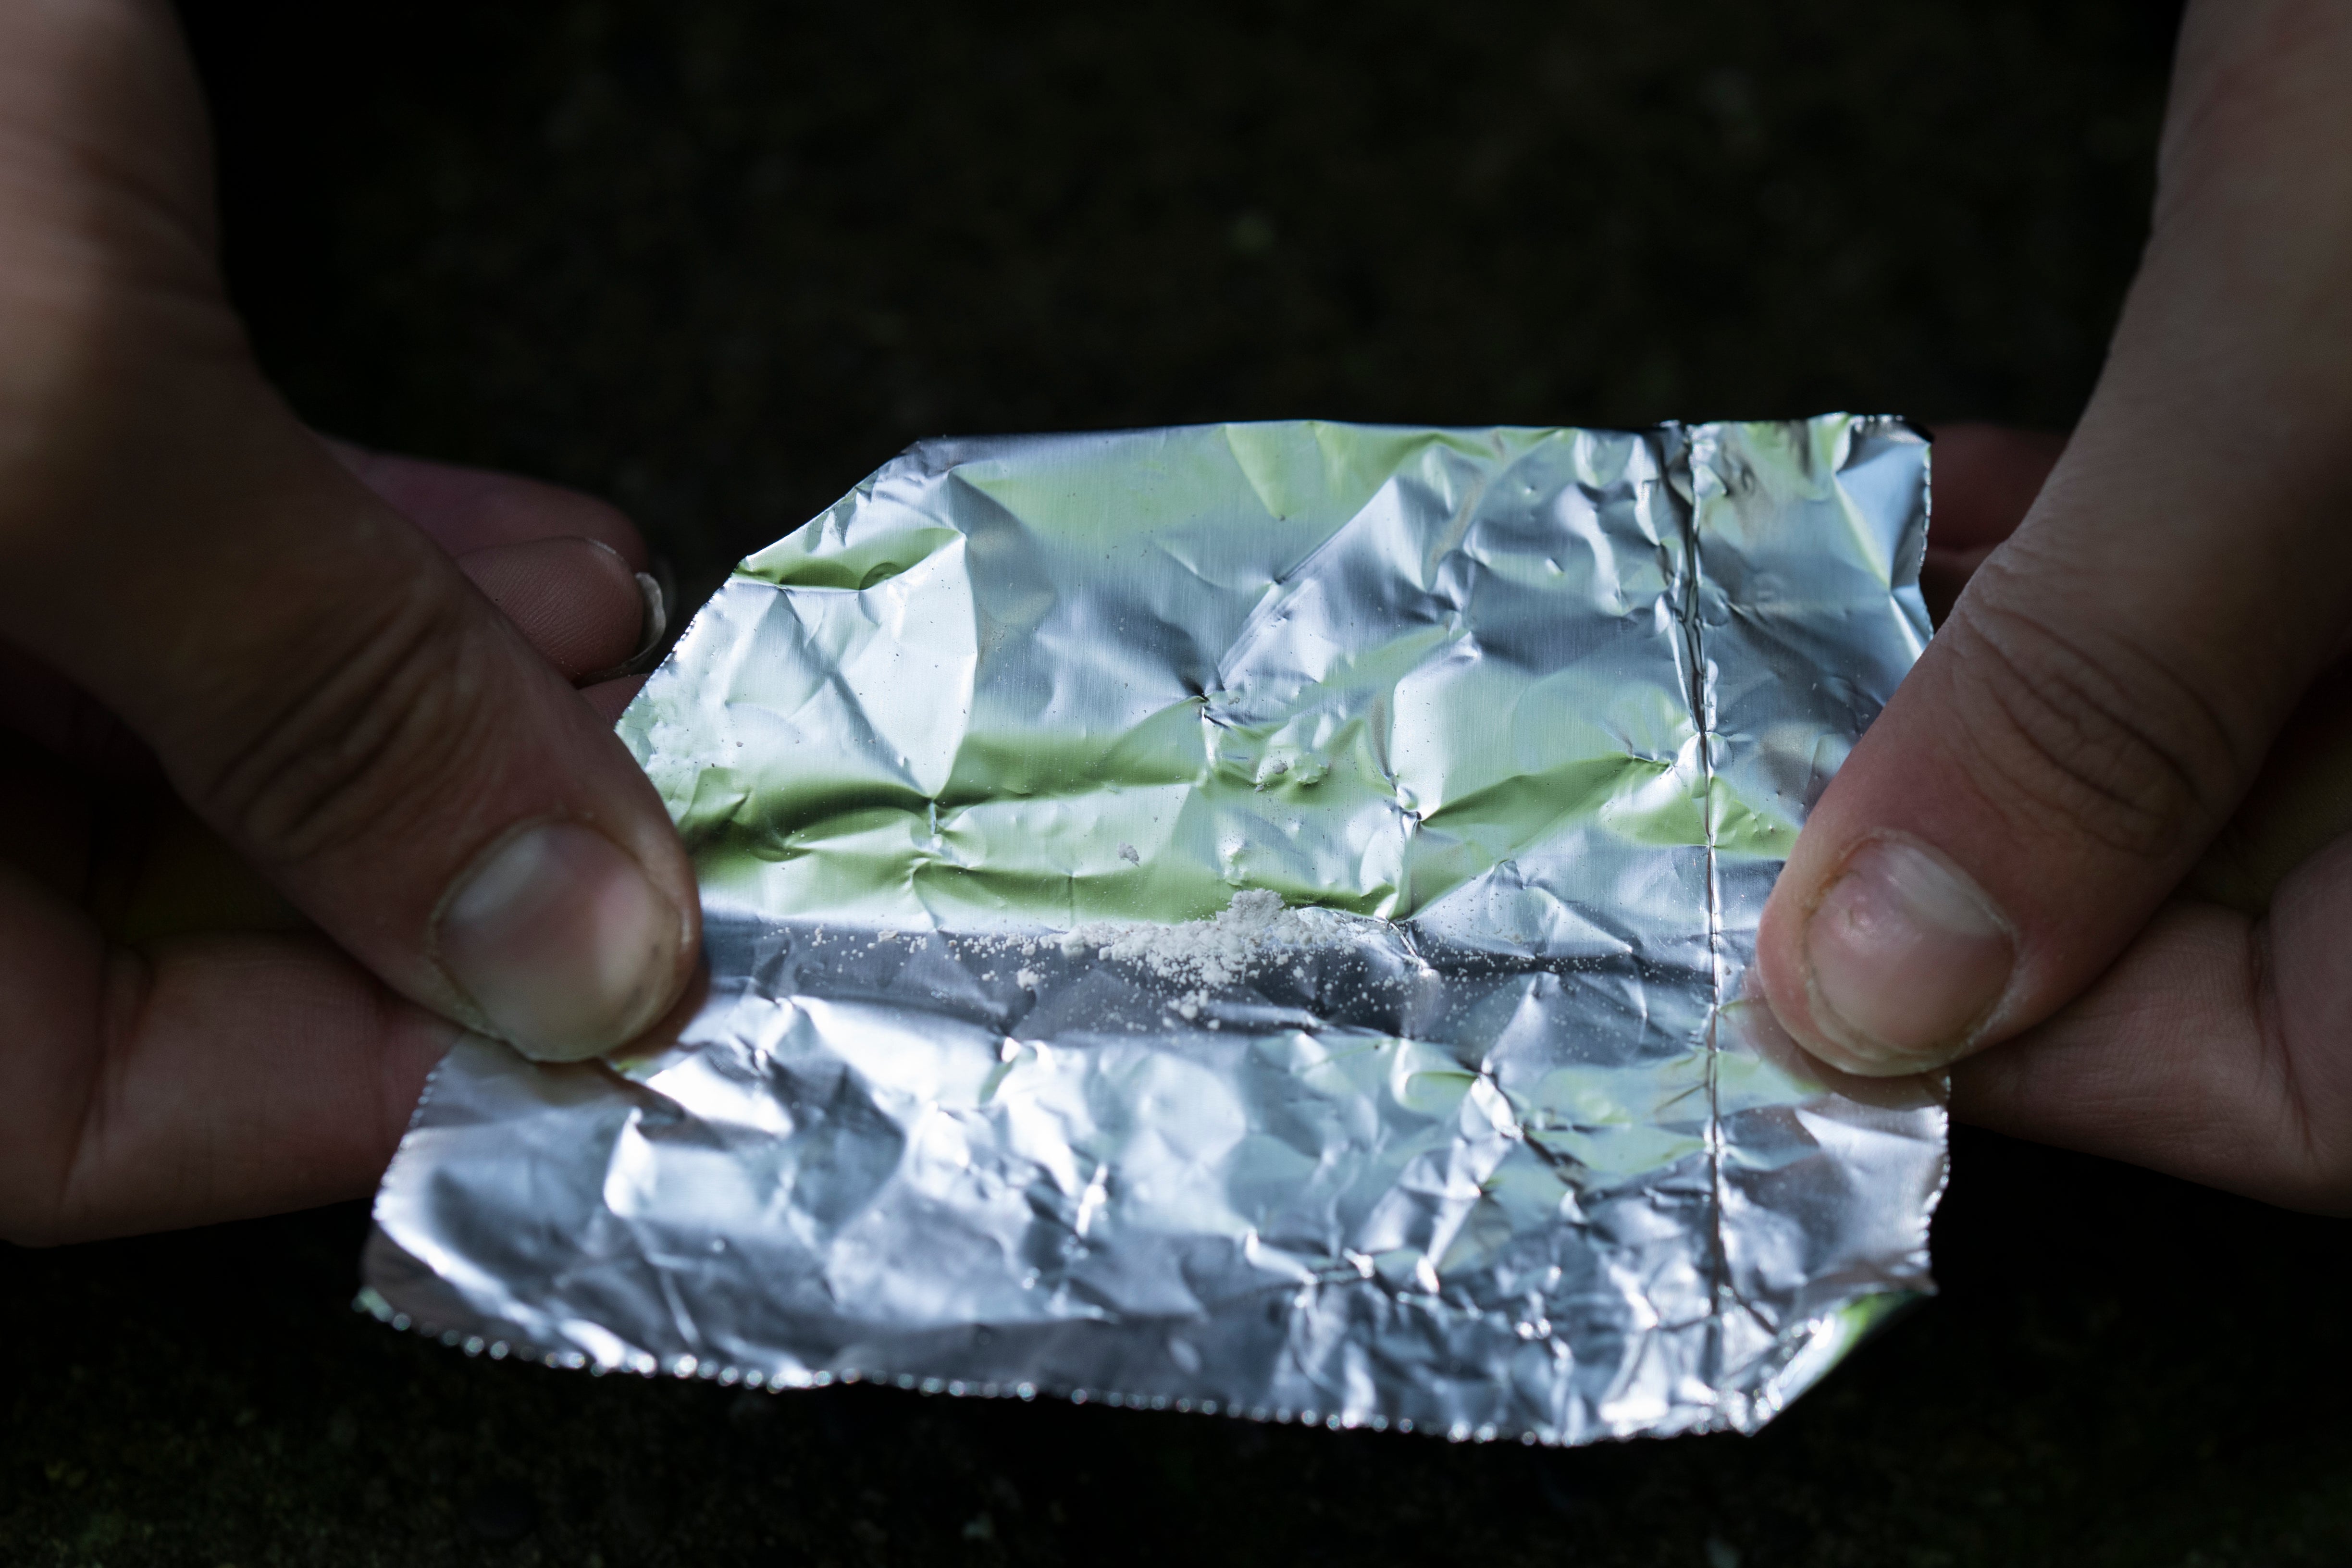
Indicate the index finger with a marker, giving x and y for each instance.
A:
(465, 510)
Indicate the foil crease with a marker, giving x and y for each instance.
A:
(1524, 720)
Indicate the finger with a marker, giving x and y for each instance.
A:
(575, 600)
(319, 681)
(608, 699)
(208, 1079)
(2300, 802)
(2069, 742)
(466, 509)
(2214, 1050)
(325, 689)
(1986, 477)
(2111, 679)
(152, 868)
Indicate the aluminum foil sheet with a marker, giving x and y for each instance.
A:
(1502, 735)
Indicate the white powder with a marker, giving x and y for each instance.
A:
(1194, 958)
(1201, 954)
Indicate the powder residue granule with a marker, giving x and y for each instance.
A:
(1201, 954)
(1192, 960)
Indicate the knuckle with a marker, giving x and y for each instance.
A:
(383, 718)
(2088, 734)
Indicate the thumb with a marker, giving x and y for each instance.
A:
(2108, 685)
(2076, 731)
(326, 688)
(320, 682)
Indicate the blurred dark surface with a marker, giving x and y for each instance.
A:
(718, 259)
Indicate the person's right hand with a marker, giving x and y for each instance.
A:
(314, 678)
(2093, 856)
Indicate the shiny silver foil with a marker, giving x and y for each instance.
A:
(1524, 720)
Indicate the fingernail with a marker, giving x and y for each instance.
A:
(655, 624)
(1904, 955)
(563, 943)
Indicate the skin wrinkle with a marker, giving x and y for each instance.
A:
(86, 270)
(2276, 1044)
(2327, 1160)
(2108, 755)
(126, 988)
(2273, 1049)
(401, 678)
(105, 183)
(172, 243)
(2023, 559)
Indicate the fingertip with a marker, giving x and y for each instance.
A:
(1899, 959)
(565, 944)
(1752, 1026)
(665, 1032)
(574, 600)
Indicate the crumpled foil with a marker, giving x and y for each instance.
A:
(1525, 719)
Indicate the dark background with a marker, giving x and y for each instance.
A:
(717, 259)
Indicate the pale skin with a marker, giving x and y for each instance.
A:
(2092, 857)
(297, 780)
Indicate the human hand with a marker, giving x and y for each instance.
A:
(286, 800)
(2098, 834)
